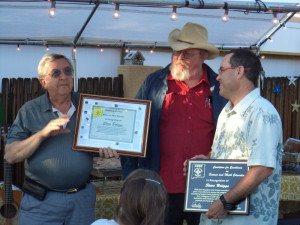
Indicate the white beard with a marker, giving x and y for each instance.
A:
(178, 73)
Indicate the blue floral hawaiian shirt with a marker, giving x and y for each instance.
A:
(252, 131)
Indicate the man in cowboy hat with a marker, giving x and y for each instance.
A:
(185, 107)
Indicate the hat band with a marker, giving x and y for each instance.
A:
(186, 42)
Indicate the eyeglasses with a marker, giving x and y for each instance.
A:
(221, 69)
(185, 55)
(56, 72)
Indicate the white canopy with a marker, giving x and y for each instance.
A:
(143, 23)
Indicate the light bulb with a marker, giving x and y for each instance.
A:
(116, 13)
(52, 12)
(174, 14)
(275, 19)
(225, 18)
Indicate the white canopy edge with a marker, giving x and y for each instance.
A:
(257, 6)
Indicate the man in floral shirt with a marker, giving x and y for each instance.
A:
(248, 128)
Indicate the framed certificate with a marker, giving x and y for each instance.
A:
(208, 179)
(118, 123)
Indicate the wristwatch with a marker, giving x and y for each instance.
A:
(227, 205)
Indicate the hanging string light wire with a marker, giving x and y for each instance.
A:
(259, 3)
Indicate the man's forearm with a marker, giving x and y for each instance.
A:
(255, 176)
(18, 151)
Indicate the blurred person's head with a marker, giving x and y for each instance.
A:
(142, 199)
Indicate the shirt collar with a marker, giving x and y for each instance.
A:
(46, 105)
(243, 105)
(70, 112)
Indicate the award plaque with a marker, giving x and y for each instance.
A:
(208, 179)
(118, 123)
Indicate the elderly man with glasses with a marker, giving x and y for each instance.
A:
(56, 189)
(185, 107)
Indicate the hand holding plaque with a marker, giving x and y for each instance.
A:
(207, 180)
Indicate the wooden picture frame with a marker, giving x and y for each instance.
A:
(119, 123)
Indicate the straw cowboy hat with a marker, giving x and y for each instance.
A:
(192, 35)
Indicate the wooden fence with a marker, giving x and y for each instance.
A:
(17, 91)
(283, 100)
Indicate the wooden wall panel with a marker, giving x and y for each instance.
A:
(15, 92)
(283, 103)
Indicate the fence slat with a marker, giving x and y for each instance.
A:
(282, 102)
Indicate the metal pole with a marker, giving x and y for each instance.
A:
(257, 6)
(75, 70)
(110, 45)
(276, 28)
(246, 5)
(85, 24)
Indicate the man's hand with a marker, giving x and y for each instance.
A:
(108, 153)
(216, 210)
(54, 127)
(195, 157)
(249, 182)
(18, 151)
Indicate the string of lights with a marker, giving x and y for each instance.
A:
(256, 7)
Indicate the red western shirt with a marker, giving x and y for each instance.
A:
(186, 129)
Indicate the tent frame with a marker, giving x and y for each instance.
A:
(256, 6)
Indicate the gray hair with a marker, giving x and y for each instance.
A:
(50, 58)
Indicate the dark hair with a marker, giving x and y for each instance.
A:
(143, 199)
(247, 59)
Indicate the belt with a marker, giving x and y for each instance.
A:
(70, 191)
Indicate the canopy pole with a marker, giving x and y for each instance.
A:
(85, 24)
(275, 29)
(75, 70)
(245, 5)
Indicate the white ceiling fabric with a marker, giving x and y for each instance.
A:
(30, 21)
